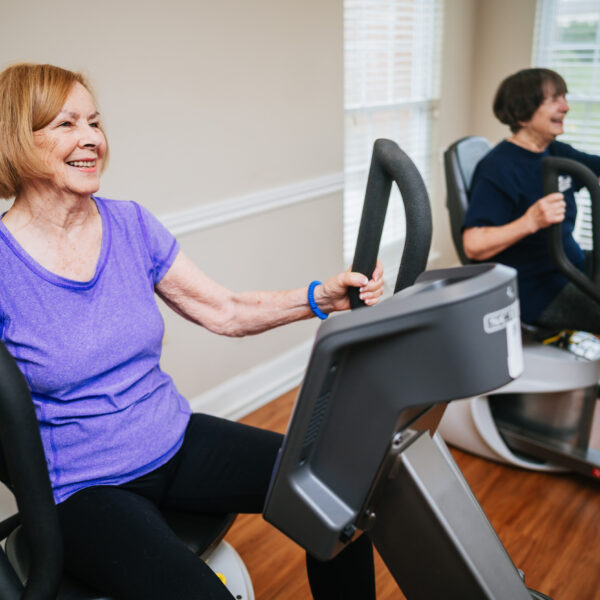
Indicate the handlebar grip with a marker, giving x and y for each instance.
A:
(552, 166)
(389, 163)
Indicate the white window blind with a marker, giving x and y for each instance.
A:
(391, 58)
(567, 40)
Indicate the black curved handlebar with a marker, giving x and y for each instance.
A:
(24, 454)
(552, 166)
(389, 163)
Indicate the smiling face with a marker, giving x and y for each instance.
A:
(73, 145)
(546, 123)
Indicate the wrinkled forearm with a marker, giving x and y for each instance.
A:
(236, 314)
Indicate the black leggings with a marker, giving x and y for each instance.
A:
(116, 539)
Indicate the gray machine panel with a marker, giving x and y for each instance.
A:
(372, 373)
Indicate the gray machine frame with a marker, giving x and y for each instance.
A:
(361, 451)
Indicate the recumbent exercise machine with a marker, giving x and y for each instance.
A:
(543, 420)
(361, 451)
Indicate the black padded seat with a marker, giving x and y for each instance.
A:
(535, 333)
(201, 533)
(460, 160)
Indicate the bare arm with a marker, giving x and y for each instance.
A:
(192, 294)
(481, 243)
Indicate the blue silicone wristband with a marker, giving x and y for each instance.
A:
(312, 303)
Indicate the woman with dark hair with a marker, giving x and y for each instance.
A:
(78, 312)
(508, 211)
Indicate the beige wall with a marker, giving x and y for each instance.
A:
(503, 40)
(201, 100)
(484, 41)
(276, 250)
(205, 102)
(453, 115)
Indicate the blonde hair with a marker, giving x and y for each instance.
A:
(31, 95)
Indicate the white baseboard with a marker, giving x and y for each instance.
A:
(256, 387)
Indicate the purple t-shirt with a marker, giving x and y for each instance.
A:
(90, 352)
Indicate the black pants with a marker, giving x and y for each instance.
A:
(116, 539)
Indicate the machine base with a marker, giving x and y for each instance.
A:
(226, 562)
(430, 530)
(471, 425)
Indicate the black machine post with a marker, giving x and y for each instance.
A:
(361, 451)
(552, 167)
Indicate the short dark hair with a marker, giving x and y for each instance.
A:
(522, 93)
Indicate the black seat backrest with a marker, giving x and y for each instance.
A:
(28, 472)
(460, 160)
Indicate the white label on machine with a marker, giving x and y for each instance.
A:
(508, 318)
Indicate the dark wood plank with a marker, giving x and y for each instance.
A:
(549, 524)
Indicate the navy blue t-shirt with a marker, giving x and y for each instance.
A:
(506, 182)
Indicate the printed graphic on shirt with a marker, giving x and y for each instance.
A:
(564, 183)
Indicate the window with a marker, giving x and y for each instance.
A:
(391, 60)
(567, 40)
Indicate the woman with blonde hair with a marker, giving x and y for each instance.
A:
(78, 313)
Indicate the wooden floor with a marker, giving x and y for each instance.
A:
(549, 524)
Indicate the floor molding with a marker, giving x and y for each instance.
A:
(240, 395)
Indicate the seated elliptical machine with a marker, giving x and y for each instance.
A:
(543, 419)
(361, 451)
